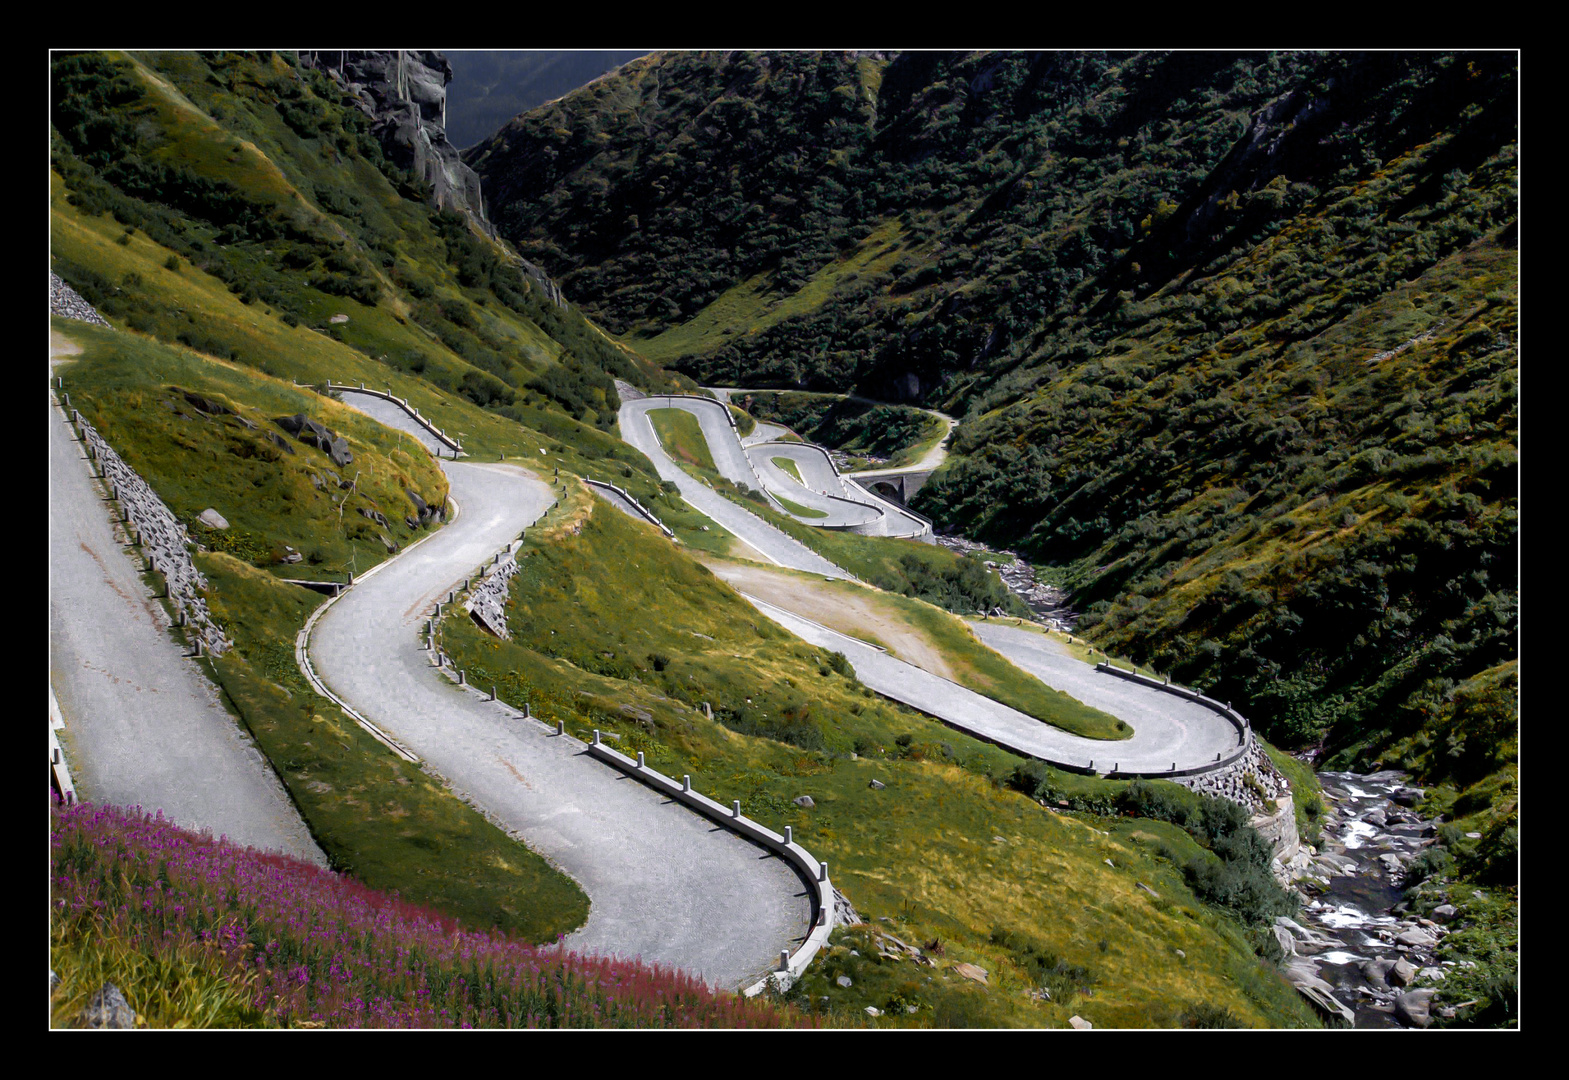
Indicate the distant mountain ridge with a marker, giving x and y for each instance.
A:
(491, 86)
(1233, 335)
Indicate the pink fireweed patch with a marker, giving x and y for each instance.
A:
(322, 948)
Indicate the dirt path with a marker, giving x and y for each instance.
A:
(61, 347)
(843, 606)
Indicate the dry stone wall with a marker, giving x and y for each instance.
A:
(1231, 782)
(161, 537)
(68, 303)
(487, 600)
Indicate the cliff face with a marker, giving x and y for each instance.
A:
(404, 92)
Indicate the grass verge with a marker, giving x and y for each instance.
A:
(797, 509)
(682, 437)
(790, 467)
(929, 637)
(645, 636)
(376, 816)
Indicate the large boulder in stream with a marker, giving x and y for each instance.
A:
(1304, 976)
(1411, 1008)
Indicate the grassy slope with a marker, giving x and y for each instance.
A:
(969, 661)
(790, 467)
(753, 305)
(127, 385)
(798, 510)
(263, 341)
(375, 816)
(279, 162)
(921, 850)
(744, 424)
(166, 989)
(682, 436)
(906, 567)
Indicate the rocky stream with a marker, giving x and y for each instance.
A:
(1355, 949)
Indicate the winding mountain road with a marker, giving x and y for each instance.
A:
(773, 545)
(664, 884)
(1169, 732)
(819, 488)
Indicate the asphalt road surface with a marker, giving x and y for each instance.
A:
(664, 884)
(144, 726)
(768, 541)
(1166, 728)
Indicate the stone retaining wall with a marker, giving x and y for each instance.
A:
(1228, 781)
(162, 538)
(68, 303)
(1224, 778)
(487, 601)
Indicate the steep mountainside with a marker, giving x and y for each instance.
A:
(491, 86)
(1233, 335)
(404, 93)
(267, 174)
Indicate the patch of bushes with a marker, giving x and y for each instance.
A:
(1043, 967)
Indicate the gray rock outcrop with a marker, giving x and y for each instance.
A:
(1304, 976)
(311, 433)
(108, 1009)
(404, 93)
(1411, 1008)
(844, 911)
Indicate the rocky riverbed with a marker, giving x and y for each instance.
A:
(1048, 603)
(1354, 950)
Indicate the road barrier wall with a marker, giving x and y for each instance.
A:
(153, 527)
(403, 403)
(1244, 730)
(639, 507)
(811, 870)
